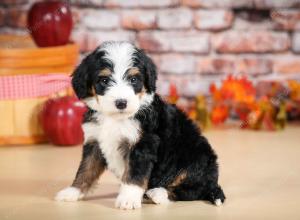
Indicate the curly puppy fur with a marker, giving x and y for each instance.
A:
(151, 146)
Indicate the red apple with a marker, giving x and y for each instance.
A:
(50, 23)
(61, 120)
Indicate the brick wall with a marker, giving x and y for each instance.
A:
(193, 42)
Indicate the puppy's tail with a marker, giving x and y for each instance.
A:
(216, 196)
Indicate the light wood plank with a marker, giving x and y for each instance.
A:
(6, 118)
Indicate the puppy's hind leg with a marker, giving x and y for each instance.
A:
(199, 191)
(91, 167)
(216, 196)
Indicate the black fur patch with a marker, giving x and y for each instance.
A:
(147, 69)
(90, 116)
(181, 148)
(141, 160)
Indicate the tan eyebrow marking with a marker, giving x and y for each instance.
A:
(105, 72)
(133, 71)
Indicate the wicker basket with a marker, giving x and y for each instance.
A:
(19, 56)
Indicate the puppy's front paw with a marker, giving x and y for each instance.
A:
(158, 195)
(130, 197)
(69, 194)
(127, 202)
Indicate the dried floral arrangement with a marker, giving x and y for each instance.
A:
(267, 105)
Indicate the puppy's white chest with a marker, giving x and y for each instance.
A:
(110, 133)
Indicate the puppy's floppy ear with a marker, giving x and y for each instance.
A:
(150, 71)
(82, 78)
(151, 74)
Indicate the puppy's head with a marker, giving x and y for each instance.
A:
(117, 79)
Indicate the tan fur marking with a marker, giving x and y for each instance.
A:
(179, 179)
(89, 171)
(142, 93)
(95, 94)
(105, 72)
(133, 71)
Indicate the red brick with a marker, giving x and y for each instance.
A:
(252, 20)
(94, 39)
(247, 25)
(100, 19)
(177, 64)
(296, 42)
(88, 3)
(79, 36)
(163, 84)
(141, 3)
(15, 31)
(156, 59)
(13, 2)
(286, 19)
(175, 18)
(213, 19)
(160, 41)
(287, 64)
(88, 41)
(253, 66)
(276, 3)
(251, 42)
(218, 3)
(215, 65)
(76, 15)
(139, 19)
(17, 17)
(231, 65)
(188, 85)
(2, 16)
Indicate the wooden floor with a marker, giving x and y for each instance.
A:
(260, 174)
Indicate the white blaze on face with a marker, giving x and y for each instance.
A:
(121, 56)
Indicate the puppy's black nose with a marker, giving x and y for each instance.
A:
(121, 103)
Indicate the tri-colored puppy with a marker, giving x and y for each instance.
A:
(151, 146)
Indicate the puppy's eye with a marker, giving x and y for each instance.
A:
(133, 80)
(104, 81)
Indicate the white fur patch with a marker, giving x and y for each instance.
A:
(119, 90)
(218, 202)
(121, 54)
(69, 194)
(147, 99)
(130, 197)
(158, 195)
(110, 132)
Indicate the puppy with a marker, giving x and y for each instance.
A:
(150, 146)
